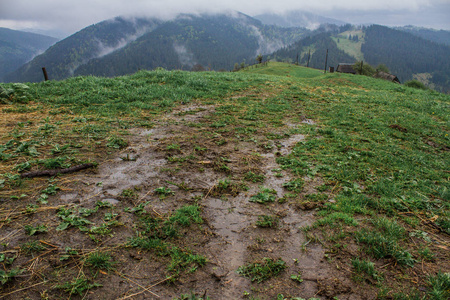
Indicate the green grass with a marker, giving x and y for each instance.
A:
(252, 177)
(99, 261)
(78, 286)
(32, 247)
(282, 69)
(350, 47)
(266, 221)
(365, 267)
(440, 286)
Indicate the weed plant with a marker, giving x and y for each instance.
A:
(266, 221)
(265, 196)
(32, 230)
(6, 276)
(261, 271)
(366, 267)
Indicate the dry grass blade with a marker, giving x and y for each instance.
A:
(153, 285)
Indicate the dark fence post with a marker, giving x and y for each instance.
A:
(45, 74)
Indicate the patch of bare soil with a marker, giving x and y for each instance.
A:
(184, 154)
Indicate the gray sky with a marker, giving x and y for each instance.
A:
(69, 16)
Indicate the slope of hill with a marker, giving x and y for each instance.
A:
(214, 41)
(406, 55)
(18, 47)
(314, 47)
(63, 58)
(350, 42)
(209, 184)
(283, 69)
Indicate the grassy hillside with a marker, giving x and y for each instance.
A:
(272, 183)
(406, 55)
(349, 46)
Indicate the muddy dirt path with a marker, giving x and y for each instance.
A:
(184, 154)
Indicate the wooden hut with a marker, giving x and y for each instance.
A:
(345, 68)
(386, 76)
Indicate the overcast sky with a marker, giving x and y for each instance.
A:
(69, 16)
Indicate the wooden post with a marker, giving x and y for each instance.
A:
(326, 62)
(296, 62)
(45, 74)
(361, 67)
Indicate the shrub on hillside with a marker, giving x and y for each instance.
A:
(416, 84)
(16, 92)
(363, 68)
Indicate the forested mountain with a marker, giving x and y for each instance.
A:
(438, 36)
(63, 58)
(18, 47)
(406, 55)
(296, 18)
(213, 41)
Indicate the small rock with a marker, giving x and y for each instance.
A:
(332, 201)
(219, 273)
(111, 201)
(136, 256)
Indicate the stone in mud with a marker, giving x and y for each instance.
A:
(111, 201)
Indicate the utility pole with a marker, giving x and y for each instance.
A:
(326, 62)
(309, 55)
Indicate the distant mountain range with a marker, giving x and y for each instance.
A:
(218, 41)
(122, 46)
(18, 47)
(438, 36)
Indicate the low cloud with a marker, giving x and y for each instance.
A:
(72, 16)
(185, 57)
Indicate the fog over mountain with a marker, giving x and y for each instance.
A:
(297, 18)
(72, 16)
